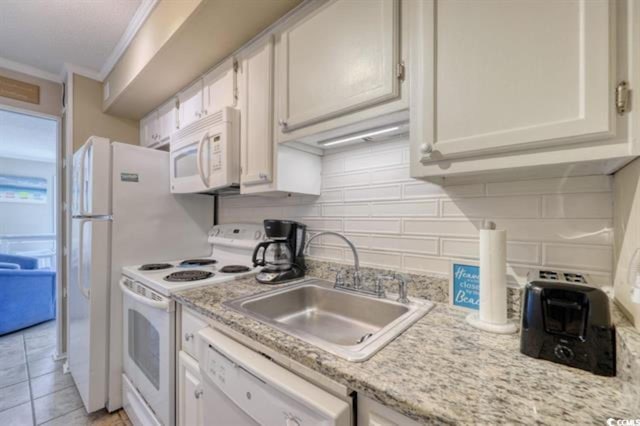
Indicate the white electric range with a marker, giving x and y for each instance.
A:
(150, 319)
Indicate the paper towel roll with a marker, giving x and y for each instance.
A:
(493, 276)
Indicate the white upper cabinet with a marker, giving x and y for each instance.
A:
(340, 58)
(256, 107)
(191, 104)
(495, 77)
(266, 166)
(148, 130)
(219, 88)
(167, 121)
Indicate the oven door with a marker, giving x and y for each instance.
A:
(148, 342)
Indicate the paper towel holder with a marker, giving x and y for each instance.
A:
(505, 326)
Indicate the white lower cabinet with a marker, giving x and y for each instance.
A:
(190, 391)
(371, 413)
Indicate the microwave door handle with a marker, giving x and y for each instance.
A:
(199, 160)
(158, 304)
(81, 287)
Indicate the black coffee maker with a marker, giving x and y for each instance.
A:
(282, 255)
(569, 324)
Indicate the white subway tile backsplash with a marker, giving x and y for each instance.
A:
(420, 189)
(552, 186)
(373, 193)
(598, 258)
(346, 210)
(399, 209)
(376, 259)
(390, 175)
(374, 160)
(417, 226)
(492, 207)
(404, 244)
(586, 206)
(584, 231)
(443, 227)
(339, 181)
(517, 251)
(330, 196)
(390, 226)
(314, 224)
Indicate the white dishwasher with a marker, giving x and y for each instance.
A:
(241, 387)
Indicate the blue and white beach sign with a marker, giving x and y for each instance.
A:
(465, 287)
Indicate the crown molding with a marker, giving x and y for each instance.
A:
(138, 19)
(80, 70)
(29, 70)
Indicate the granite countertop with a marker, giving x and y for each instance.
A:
(441, 370)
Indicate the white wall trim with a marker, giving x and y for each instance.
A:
(29, 70)
(138, 19)
(68, 68)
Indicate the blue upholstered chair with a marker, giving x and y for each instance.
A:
(27, 294)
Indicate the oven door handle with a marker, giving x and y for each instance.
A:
(199, 160)
(158, 304)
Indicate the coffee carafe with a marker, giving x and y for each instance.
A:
(281, 255)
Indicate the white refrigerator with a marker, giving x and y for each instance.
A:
(123, 213)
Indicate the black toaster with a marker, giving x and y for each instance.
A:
(569, 324)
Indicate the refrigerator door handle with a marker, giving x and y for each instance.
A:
(83, 158)
(82, 289)
(158, 304)
(199, 160)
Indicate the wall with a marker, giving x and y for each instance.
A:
(160, 26)
(627, 232)
(88, 118)
(26, 218)
(415, 226)
(50, 94)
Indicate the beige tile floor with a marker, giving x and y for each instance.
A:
(33, 389)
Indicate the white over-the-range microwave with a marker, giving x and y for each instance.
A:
(205, 155)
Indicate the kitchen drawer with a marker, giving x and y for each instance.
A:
(191, 324)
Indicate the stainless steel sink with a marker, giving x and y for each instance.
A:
(346, 324)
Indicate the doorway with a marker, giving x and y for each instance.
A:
(30, 226)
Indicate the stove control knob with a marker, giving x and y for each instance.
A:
(563, 353)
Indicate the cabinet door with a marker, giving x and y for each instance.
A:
(504, 75)
(189, 392)
(371, 413)
(220, 88)
(256, 132)
(148, 126)
(190, 104)
(167, 121)
(340, 58)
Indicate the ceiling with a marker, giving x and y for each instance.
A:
(46, 34)
(27, 137)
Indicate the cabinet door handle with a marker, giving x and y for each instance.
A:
(188, 336)
(282, 123)
(204, 112)
(198, 393)
(262, 176)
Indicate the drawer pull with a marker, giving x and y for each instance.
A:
(197, 393)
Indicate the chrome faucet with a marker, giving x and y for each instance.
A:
(402, 285)
(357, 278)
